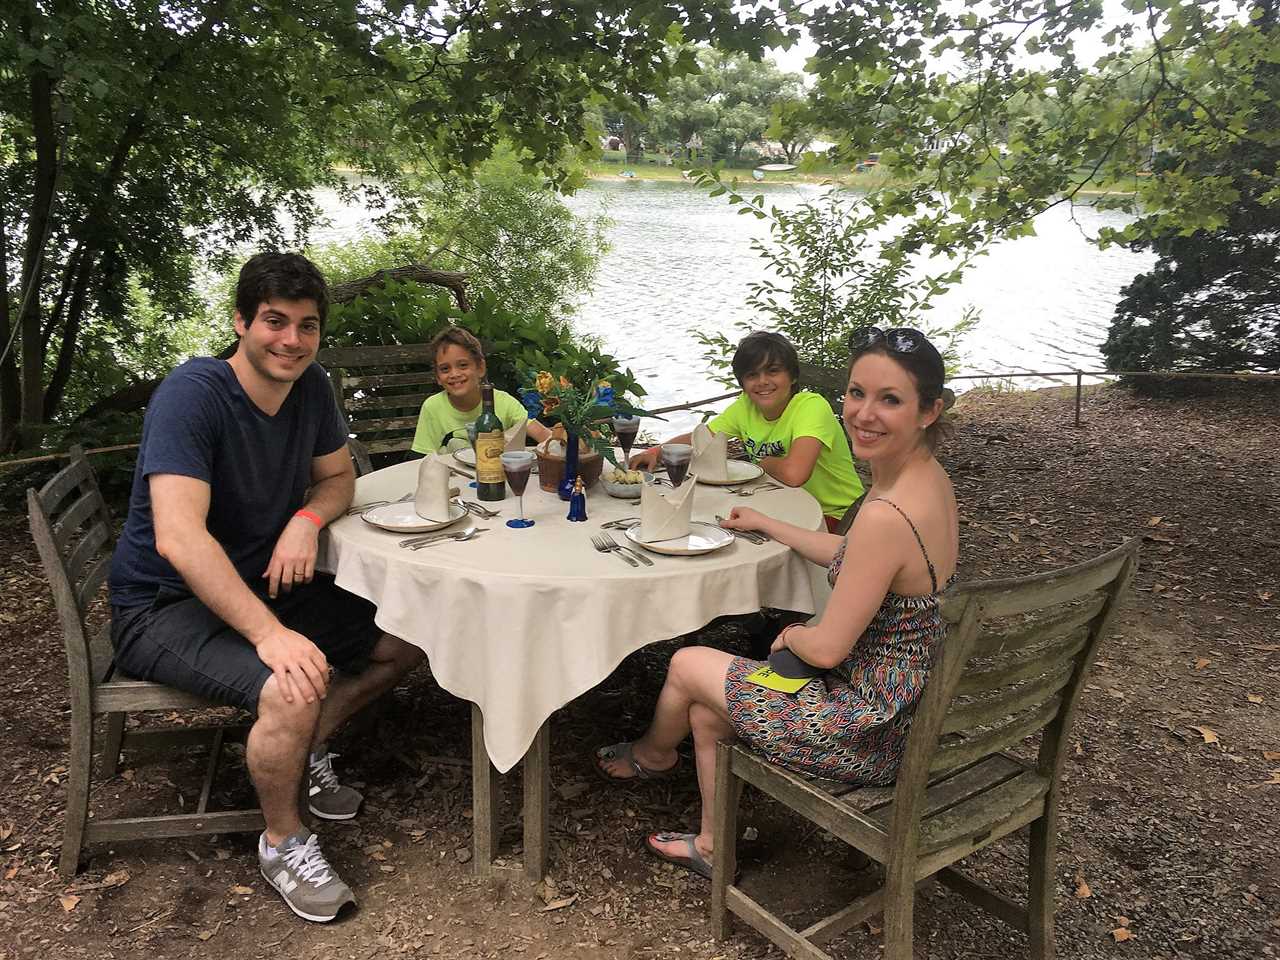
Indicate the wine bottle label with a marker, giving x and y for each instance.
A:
(489, 457)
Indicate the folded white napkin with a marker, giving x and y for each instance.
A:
(710, 454)
(431, 501)
(513, 437)
(666, 516)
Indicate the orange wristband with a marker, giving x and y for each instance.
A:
(310, 516)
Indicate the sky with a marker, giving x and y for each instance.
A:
(1089, 47)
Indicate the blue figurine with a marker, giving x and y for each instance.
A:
(578, 502)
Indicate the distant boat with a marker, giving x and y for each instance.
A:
(775, 167)
(626, 173)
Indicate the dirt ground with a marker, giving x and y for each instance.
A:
(1172, 792)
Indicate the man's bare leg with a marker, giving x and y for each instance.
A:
(390, 660)
(276, 751)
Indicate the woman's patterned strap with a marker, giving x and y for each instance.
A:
(933, 577)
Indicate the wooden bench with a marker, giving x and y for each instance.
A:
(1012, 668)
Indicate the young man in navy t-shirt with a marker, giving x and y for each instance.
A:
(213, 583)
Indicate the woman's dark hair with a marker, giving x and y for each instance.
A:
(458, 338)
(762, 348)
(911, 350)
(289, 276)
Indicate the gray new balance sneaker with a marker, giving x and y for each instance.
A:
(326, 797)
(302, 876)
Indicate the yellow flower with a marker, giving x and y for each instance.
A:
(604, 383)
(543, 382)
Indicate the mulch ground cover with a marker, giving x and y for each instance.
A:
(1171, 794)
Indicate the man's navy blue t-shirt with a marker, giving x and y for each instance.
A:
(200, 423)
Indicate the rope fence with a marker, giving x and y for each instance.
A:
(1079, 376)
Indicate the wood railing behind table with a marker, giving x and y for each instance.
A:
(831, 383)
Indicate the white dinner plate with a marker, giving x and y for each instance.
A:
(465, 455)
(740, 471)
(403, 518)
(702, 538)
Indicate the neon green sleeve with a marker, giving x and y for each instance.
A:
(812, 417)
(731, 421)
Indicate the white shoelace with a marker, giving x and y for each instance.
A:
(322, 773)
(308, 862)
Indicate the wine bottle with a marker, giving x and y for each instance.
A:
(490, 484)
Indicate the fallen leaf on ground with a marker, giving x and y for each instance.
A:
(117, 879)
(1202, 663)
(1121, 934)
(1154, 521)
(559, 904)
(1254, 698)
(6, 830)
(1275, 779)
(241, 891)
(11, 873)
(1209, 735)
(1271, 754)
(69, 902)
(1082, 888)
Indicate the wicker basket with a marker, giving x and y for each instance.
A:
(551, 469)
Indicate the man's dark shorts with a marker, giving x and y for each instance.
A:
(178, 641)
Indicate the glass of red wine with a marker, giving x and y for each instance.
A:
(517, 465)
(626, 429)
(676, 457)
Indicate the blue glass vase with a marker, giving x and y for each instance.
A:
(565, 490)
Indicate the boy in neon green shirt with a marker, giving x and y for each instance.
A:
(460, 367)
(794, 436)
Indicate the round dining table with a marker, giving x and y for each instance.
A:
(522, 621)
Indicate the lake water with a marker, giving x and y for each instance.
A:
(681, 262)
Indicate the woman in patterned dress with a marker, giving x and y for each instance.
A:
(881, 629)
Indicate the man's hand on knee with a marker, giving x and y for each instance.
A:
(300, 669)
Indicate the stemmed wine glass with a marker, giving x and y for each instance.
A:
(676, 457)
(517, 465)
(626, 429)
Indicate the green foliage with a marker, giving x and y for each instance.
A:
(584, 406)
(827, 276)
(140, 140)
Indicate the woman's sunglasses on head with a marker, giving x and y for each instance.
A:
(898, 339)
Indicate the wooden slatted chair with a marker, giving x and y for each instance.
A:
(1012, 667)
(72, 530)
(380, 391)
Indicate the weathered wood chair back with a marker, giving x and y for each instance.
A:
(72, 529)
(380, 391)
(1011, 668)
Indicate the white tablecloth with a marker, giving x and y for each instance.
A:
(522, 621)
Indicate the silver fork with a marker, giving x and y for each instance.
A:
(754, 536)
(483, 512)
(461, 537)
(627, 550)
(362, 507)
(605, 545)
(754, 490)
(620, 524)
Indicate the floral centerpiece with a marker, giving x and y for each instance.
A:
(582, 413)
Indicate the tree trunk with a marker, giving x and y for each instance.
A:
(70, 333)
(455, 282)
(31, 409)
(10, 392)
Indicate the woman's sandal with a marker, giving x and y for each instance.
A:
(691, 860)
(625, 752)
